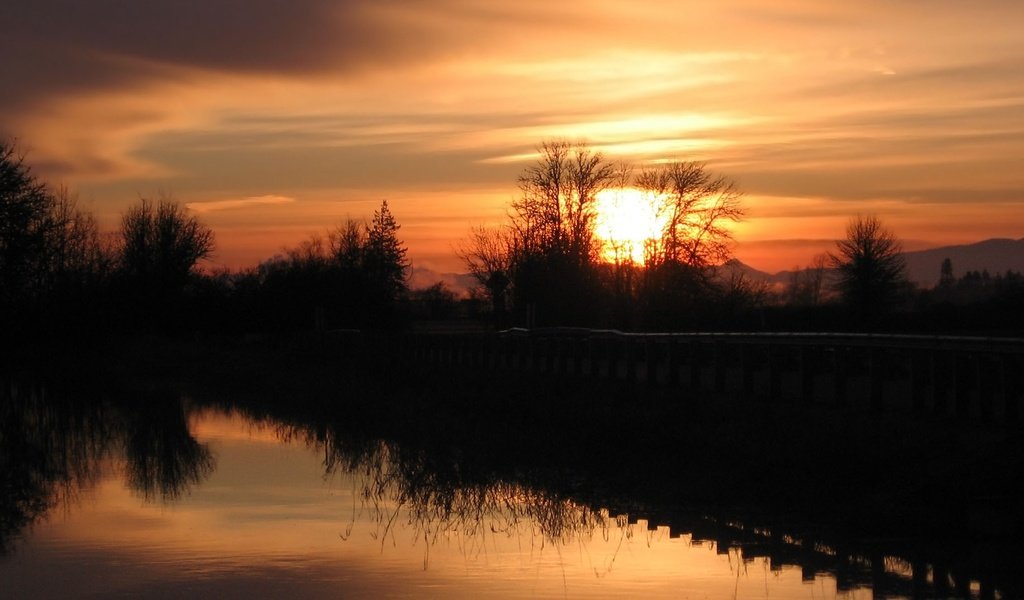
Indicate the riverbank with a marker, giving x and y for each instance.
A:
(853, 472)
(865, 481)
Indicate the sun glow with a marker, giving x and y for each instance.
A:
(628, 221)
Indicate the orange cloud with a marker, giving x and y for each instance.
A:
(834, 109)
(232, 204)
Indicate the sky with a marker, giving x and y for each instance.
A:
(275, 120)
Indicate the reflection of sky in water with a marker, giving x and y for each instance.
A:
(268, 523)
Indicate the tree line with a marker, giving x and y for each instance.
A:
(864, 283)
(545, 265)
(60, 276)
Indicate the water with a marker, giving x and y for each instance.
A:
(162, 497)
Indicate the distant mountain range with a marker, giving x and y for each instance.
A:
(423, 277)
(995, 255)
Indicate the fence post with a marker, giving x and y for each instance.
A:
(671, 362)
(806, 375)
(1011, 387)
(747, 363)
(876, 379)
(938, 383)
(841, 377)
(774, 373)
(719, 366)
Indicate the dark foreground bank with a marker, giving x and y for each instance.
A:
(865, 482)
(611, 442)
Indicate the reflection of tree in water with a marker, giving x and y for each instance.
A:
(430, 492)
(163, 459)
(53, 445)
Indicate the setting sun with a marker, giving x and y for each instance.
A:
(627, 221)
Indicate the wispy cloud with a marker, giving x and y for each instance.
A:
(838, 107)
(236, 203)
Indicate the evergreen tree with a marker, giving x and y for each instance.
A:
(946, 278)
(384, 260)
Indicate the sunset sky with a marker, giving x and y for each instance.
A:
(274, 120)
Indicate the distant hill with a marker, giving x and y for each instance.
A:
(423, 277)
(735, 268)
(996, 255)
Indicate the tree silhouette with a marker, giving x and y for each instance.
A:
(385, 268)
(489, 258)
(676, 286)
(870, 266)
(163, 460)
(555, 213)
(695, 206)
(346, 244)
(158, 248)
(946, 277)
(355, 277)
(553, 251)
(53, 265)
(807, 285)
(75, 255)
(384, 254)
(434, 302)
(161, 244)
(549, 258)
(25, 206)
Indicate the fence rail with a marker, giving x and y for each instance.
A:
(976, 378)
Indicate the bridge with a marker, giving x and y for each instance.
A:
(974, 378)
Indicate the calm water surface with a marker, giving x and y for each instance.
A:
(185, 501)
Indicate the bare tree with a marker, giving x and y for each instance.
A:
(160, 245)
(555, 213)
(346, 244)
(807, 285)
(25, 206)
(488, 251)
(551, 255)
(48, 246)
(488, 255)
(75, 248)
(870, 266)
(551, 229)
(695, 207)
